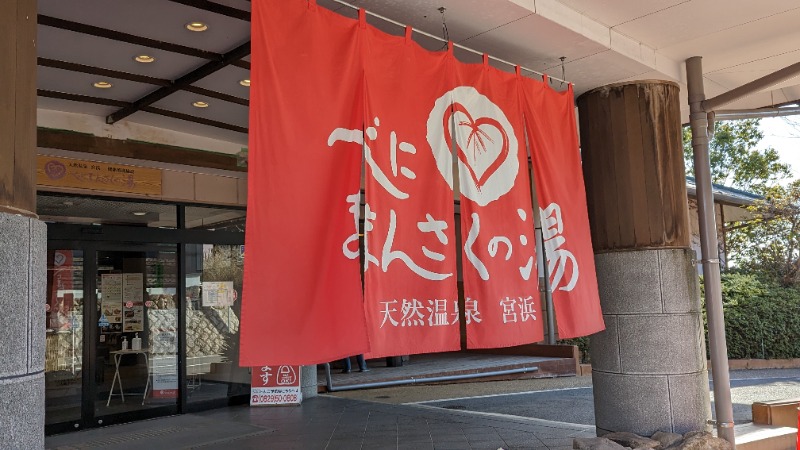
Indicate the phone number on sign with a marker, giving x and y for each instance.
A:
(274, 398)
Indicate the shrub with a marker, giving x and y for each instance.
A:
(762, 318)
(583, 346)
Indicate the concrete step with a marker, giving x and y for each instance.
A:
(751, 436)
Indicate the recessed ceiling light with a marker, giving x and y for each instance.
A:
(245, 82)
(144, 58)
(102, 84)
(196, 26)
(139, 213)
(200, 104)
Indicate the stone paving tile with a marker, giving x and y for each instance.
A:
(369, 445)
(333, 423)
(428, 446)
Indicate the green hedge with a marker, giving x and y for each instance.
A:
(762, 319)
(583, 346)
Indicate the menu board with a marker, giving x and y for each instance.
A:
(111, 297)
(218, 293)
(133, 302)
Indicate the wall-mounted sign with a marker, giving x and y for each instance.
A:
(77, 173)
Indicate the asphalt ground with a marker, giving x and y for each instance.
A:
(569, 399)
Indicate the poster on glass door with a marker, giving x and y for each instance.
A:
(218, 293)
(133, 298)
(111, 297)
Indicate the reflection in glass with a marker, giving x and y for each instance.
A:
(64, 337)
(215, 219)
(213, 306)
(137, 330)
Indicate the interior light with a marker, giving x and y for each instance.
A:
(138, 213)
(199, 104)
(144, 58)
(102, 84)
(196, 26)
(245, 82)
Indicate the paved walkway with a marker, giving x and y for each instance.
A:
(327, 422)
(403, 417)
(445, 364)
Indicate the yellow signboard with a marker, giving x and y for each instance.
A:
(76, 173)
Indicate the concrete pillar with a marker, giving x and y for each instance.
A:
(308, 381)
(649, 366)
(23, 238)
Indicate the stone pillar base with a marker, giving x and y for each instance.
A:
(23, 266)
(308, 381)
(649, 365)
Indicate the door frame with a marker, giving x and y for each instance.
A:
(93, 238)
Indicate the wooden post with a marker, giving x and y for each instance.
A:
(648, 366)
(631, 145)
(18, 107)
(23, 238)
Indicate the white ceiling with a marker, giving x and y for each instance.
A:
(603, 42)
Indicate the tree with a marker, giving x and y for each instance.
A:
(735, 160)
(770, 243)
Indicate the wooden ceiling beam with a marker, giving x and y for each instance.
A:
(242, 63)
(218, 95)
(105, 33)
(181, 83)
(81, 98)
(99, 71)
(216, 8)
(195, 119)
(121, 104)
(125, 37)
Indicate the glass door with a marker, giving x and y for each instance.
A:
(111, 350)
(63, 371)
(135, 337)
(214, 276)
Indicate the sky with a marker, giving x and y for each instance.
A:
(785, 138)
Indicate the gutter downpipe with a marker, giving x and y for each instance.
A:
(756, 113)
(350, 387)
(698, 119)
(544, 286)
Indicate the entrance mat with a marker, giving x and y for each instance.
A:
(173, 432)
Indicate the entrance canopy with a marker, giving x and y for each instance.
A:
(194, 92)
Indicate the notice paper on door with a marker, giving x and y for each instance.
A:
(218, 293)
(111, 297)
(133, 302)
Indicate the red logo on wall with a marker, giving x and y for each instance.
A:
(54, 170)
